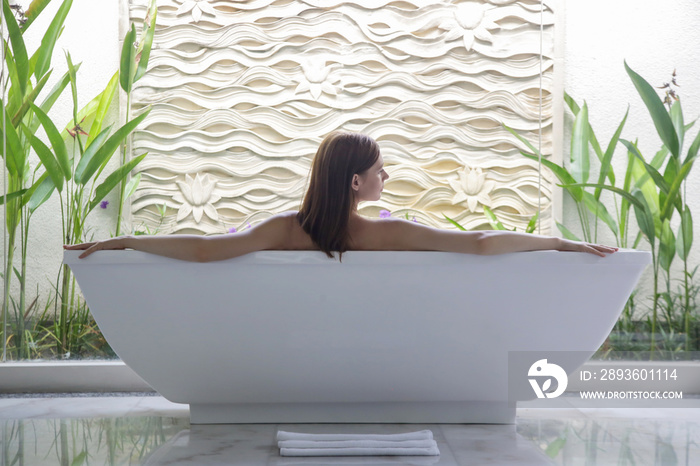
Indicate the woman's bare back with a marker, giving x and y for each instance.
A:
(365, 234)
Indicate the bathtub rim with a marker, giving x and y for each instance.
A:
(401, 258)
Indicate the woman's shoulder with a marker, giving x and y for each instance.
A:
(283, 220)
(277, 232)
(379, 234)
(295, 236)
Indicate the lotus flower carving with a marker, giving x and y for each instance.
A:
(472, 187)
(196, 8)
(197, 198)
(316, 78)
(469, 22)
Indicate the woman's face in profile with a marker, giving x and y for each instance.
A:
(371, 182)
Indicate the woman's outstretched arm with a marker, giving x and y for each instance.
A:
(411, 236)
(272, 233)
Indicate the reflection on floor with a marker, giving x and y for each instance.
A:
(150, 430)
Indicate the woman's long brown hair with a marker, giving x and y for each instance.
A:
(326, 209)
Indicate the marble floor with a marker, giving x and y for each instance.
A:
(143, 429)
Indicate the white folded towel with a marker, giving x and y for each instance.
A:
(419, 435)
(419, 443)
(433, 451)
(355, 444)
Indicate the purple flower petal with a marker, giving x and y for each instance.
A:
(248, 226)
(384, 214)
(104, 204)
(232, 230)
(414, 220)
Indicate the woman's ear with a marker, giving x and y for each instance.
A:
(355, 183)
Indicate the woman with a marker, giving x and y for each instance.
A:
(347, 169)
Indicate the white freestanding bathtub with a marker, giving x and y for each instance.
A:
(384, 336)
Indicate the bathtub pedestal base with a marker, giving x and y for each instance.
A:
(466, 412)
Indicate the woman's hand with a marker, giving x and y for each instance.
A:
(89, 248)
(597, 249)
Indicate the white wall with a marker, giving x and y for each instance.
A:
(654, 37)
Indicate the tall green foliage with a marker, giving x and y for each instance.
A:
(661, 195)
(27, 78)
(132, 67)
(653, 196)
(73, 163)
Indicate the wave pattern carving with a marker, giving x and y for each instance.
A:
(242, 93)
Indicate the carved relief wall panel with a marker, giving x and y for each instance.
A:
(242, 93)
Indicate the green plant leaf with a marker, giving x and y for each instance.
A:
(567, 233)
(29, 192)
(646, 185)
(72, 72)
(560, 172)
(624, 203)
(580, 137)
(80, 175)
(637, 240)
(553, 448)
(134, 182)
(89, 163)
(598, 209)
(670, 174)
(84, 114)
(59, 147)
(522, 139)
(14, 96)
(460, 227)
(568, 181)
(655, 175)
(48, 42)
(644, 216)
(51, 98)
(127, 64)
(606, 168)
(693, 151)
(642, 178)
(632, 199)
(657, 111)
(11, 196)
(105, 100)
(33, 11)
(50, 163)
(19, 50)
(532, 224)
(659, 157)
(676, 114)
(146, 42)
(79, 459)
(40, 192)
(594, 143)
(671, 171)
(16, 160)
(575, 109)
(493, 220)
(672, 199)
(667, 247)
(113, 180)
(122, 145)
(29, 100)
(685, 235)
(571, 103)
